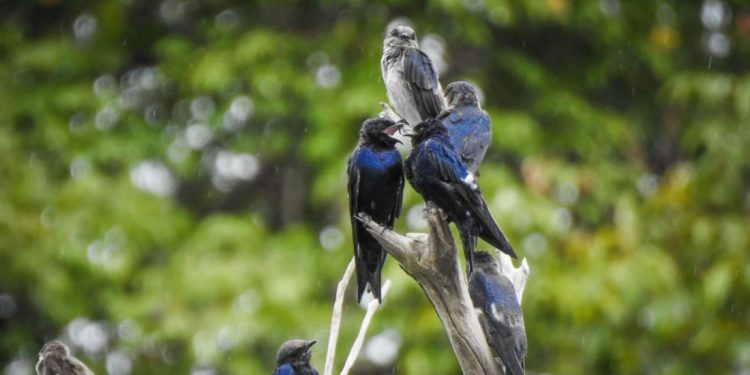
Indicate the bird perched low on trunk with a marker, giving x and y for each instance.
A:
(468, 125)
(55, 359)
(499, 312)
(436, 172)
(376, 184)
(411, 80)
(293, 358)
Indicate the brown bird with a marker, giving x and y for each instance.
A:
(55, 359)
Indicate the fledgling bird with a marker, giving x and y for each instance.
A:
(293, 358)
(411, 80)
(436, 172)
(376, 184)
(55, 359)
(499, 312)
(468, 125)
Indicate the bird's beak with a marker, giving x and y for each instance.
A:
(391, 130)
(310, 343)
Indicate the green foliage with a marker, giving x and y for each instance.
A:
(173, 173)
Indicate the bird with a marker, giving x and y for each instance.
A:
(499, 311)
(293, 358)
(376, 184)
(55, 359)
(410, 79)
(435, 171)
(468, 125)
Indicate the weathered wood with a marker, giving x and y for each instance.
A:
(432, 260)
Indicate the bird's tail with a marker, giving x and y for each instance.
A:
(469, 242)
(369, 264)
(492, 233)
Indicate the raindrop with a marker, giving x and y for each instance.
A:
(714, 14)
(128, 331)
(562, 220)
(227, 18)
(665, 14)
(84, 27)
(534, 244)
(79, 167)
(19, 366)
(106, 118)
(415, 217)
(610, 8)
(48, 217)
(153, 177)
(105, 84)
(154, 114)
(382, 348)
(172, 11)
(331, 237)
(718, 44)
(77, 123)
(197, 136)
(119, 363)
(647, 184)
(202, 107)
(246, 303)
(7, 305)
(567, 193)
(328, 76)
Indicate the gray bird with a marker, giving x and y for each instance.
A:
(410, 79)
(468, 125)
(293, 358)
(499, 312)
(55, 359)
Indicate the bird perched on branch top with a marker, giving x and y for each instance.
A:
(499, 312)
(436, 172)
(410, 79)
(293, 358)
(468, 125)
(376, 183)
(55, 359)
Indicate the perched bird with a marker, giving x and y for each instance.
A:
(376, 183)
(499, 312)
(293, 358)
(436, 172)
(410, 79)
(55, 359)
(468, 125)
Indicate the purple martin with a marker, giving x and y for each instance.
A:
(468, 125)
(55, 359)
(499, 312)
(410, 79)
(293, 358)
(376, 184)
(436, 172)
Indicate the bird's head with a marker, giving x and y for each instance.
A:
(401, 36)
(379, 131)
(486, 262)
(54, 347)
(427, 129)
(461, 93)
(295, 352)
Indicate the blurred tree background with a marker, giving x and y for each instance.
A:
(173, 194)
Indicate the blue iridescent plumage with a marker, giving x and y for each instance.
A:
(500, 313)
(468, 125)
(437, 173)
(376, 183)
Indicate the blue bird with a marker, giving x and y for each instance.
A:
(293, 358)
(468, 125)
(436, 172)
(376, 184)
(411, 80)
(499, 312)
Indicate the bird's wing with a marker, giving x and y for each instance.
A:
(476, 143)
(399, 194)
(353, 189)
(423, 82)
(285, 369)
